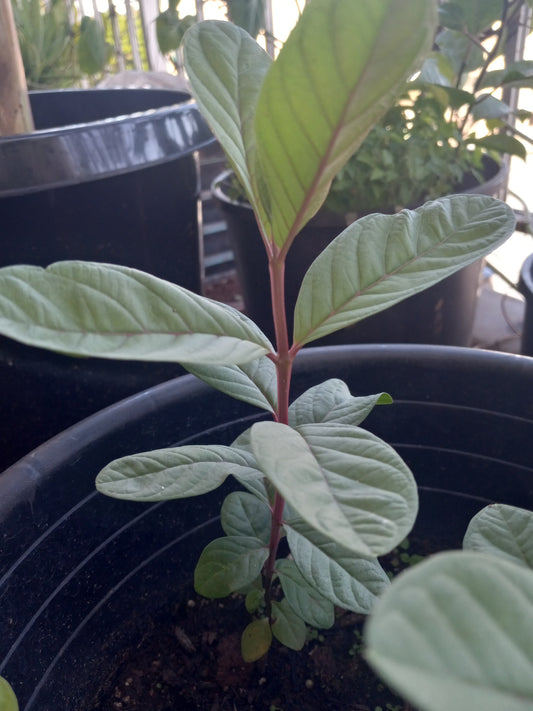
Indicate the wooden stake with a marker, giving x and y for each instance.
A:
(15, 111)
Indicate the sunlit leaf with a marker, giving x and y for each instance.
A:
(338, 72)
(456, 632)
(229, 564)
(226, 68)
(381, 259)
(93, 309)
(502, 530)
(344, 481)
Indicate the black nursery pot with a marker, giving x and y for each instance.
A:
(441, 315)
(110, 175)
(526, 288)
(81, 574)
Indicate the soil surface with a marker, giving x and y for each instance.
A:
(190, 659)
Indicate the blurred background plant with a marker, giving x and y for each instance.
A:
(463, 105)
(171, 27)
(61, 49)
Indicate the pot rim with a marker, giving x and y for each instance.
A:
(81, 152)
(72, 441)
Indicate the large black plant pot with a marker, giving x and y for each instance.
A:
(110, 175)
(443, 314)
(80, 574)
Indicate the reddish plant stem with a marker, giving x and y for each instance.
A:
(283, 361)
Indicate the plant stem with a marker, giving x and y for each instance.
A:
(284, 360)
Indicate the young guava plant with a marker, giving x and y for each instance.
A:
(456, 631)
(311, 475)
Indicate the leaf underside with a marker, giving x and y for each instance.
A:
(456, 631)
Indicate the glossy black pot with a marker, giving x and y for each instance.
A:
(81, 574)
(525, 286)
(110, 175)
(443, 314)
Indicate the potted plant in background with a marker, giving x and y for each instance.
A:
(108, 175)
(312, 474)
(447, 132)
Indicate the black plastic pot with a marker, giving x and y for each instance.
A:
(526, 288)
(80, 574)
(110, 175)
(443, 314)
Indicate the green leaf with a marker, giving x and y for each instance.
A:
(248, 14)
(288, 628)
(381, 259)
(502, 143)
(338, 72)
(170, 29)
(243, 514)
(255, 598)
(348, 581)
(304, 599)
(256, 640)
(345, 482)
(331, 401)
(489, 107)
(253, 382)
(226, 68)
(502, 530)
(102, 310)
(8, 700)
(229, 564)
(475, 16)
(93, 51)
(173, 473)
(456, 632)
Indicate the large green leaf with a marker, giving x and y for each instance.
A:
(456, 632)
(345, 482)
(92, 309)
(226, 68)
(338, 72)
(229, 564)
(502, 530)
(331, 401)
(253, 382)
(173, 473)
(381, 259)
(351, 582)
(305, 599)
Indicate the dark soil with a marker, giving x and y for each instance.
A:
(190, 659)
